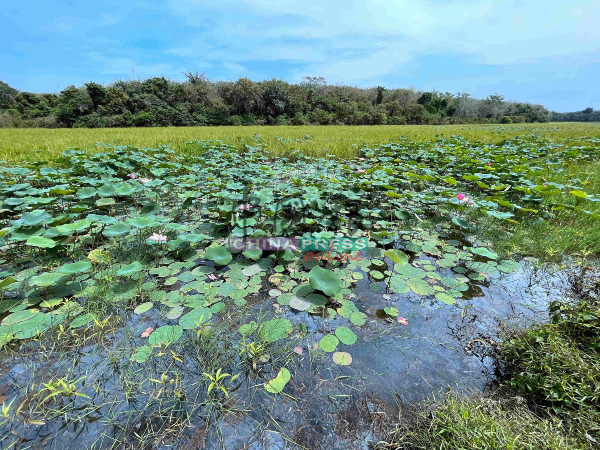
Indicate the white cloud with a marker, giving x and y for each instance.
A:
(499, 32)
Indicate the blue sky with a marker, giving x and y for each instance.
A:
(544, 52)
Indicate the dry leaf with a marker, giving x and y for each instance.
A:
(147, 332)
(402, 320)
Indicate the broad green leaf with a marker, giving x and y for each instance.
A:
(325, 280)
(328, 343)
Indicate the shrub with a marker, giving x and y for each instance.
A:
(299, 119)
(144, 119)
(506, 119)
(45, 122)
(397, 120)
(235, 120)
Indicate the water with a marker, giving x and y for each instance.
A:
(324, 406)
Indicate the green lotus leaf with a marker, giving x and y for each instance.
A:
(124, 189)
(81, 321)
(40, 242)
(397, 256)
(105, 201)
(46, 279)
(129, 269)
(141, 354)
(75, 227)
(86, 192)
(77, 267)
(35, 218)
(325, 280)
(328, 343)
(253, 254)
(274, 329)
(104, 220)
(195, 318)
(342, 358)
(358, 319)
(165, 335)
(143, 222)
(578, 193)
(219, 254)
(390, 311)
(299, 303)
(445, 298)
(7, 282)
(346, 335)
(143, 307)
(117, 230)
(20, 316)
(277, 384)
(484, 252)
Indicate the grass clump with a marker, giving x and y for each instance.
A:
(483, 423)
(557, 365)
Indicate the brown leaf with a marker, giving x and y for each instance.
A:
(147, 332)
(402, 320)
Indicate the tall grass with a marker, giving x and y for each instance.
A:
(342, 141)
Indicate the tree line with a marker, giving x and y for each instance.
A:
(587, 115)
(197, 101)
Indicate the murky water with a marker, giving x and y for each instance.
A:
(324, 405)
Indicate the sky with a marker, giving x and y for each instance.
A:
(545, 52)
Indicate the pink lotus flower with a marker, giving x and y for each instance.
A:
(132, 176)
(246, 207)
(212, 277)
(461, 196)
(402, 320)
(489, 164)
(158, 237)
(298, 350)
(361, 171)
(144, 180)
(361, 159)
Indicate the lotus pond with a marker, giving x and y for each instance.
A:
(128, 320)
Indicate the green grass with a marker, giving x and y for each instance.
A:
(342, 141)
(483, 423)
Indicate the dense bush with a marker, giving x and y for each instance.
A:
(199, 101)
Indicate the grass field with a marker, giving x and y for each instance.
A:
(342, 141)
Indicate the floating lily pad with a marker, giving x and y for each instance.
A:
(165, 335)
(143, 307)
(141, 354)
(324, 280)
(276, 385)
(219, 254)
(346, 335)
(342, 358)
(328, 343)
